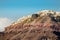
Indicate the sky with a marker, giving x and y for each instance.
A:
(11, 10)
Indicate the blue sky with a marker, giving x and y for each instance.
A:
(15, 9)
(11, 10)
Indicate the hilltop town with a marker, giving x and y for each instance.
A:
(43, 25)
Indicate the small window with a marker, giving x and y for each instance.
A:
(42, 38)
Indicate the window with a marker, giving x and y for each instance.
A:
(43, 38)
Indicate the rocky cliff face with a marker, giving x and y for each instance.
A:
(45, 25)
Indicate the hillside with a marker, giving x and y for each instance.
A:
(44, 25)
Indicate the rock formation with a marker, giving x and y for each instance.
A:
(45, 25)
